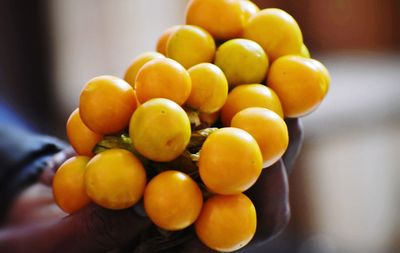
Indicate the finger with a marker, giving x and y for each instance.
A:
(270, 196)
(296, 136)
(92, 229)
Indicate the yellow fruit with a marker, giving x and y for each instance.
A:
(230, 161)
(276, 31)
(68, 184)
(172, 200)
(299, 83)
(209, 88)
(304, 51)
(82, 139)
(190, 45)
(106, 104)
(115, 179)
(250, 95)
(249, 9)
(242, 61)
(163, 78)
(223, 19)
(138, 62)
(160, 130)
(227, 223)
(162, 41)
(267, 128)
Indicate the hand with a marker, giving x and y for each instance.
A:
(270, 196)
(45, 229)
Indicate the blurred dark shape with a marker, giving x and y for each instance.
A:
(25, 71)
(345, 24)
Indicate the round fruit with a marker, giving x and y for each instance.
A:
(324, 72)
(190, 45)
(115, 179)
(276, 31)
(304, 51)
(227, 223)
(172, 200)
(299, 83)
(160, 130)
(243, 61)
(68, 185)
(82, 139)
(230, 161)
(209, 88)
(250, 95)
(224, 19)
(269, 130)
(162, 41)
(138, 62)
(249, 9)
(106, 104)
(163, 78)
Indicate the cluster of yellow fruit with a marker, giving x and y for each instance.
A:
(169, 98)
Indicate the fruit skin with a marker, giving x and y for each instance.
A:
(299, 83)
(190, 45)
(230, 161)
(160, 130)
(249, 9)
(138, 62)
(81, 138)
(106, 104)
(250, 95)
(276, 31)
(267, 128)
(115, 179)
(304, 52)
(242, 61)
(68, 185)
(209, 88)
(163, 78)
(223, 19)
(162, 40)
(172, 200)
(227, 223)
(324, 72)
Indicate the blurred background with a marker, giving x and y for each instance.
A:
(345, 189)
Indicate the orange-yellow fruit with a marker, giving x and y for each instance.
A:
(160, 130)
(162, 41)
(250, 95)
(267, 128)
(209, 88)
(227, 223)
(299, 83)
(106, 104)
(68, 185)
(190, 45)
(249, 9)
(230, 161)
(163, 78)
(81, 138)
(115, 179)
(138, 62)
(304, 52)
(276, 31)
(172, 200)
(224, 19)
(242, 61)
